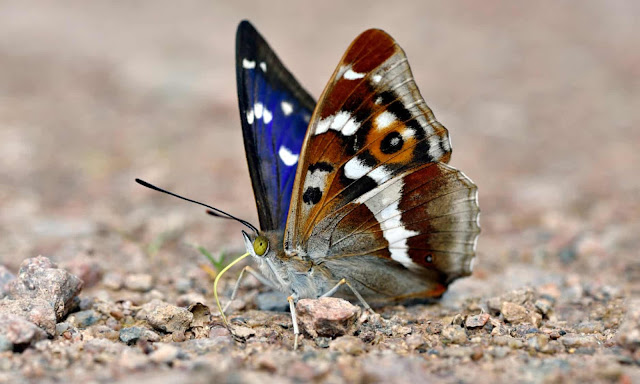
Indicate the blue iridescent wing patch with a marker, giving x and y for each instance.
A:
(275, 111)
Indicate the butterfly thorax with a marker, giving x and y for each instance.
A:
(292, 272)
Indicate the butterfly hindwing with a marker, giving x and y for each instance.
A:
(373, 178)
(275, 111)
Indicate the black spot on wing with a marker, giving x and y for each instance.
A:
(394, 105)
(391, 143)
(312, 195)
(321, 166)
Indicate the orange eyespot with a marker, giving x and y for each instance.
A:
(260, 245)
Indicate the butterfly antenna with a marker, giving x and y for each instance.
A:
(212, 211)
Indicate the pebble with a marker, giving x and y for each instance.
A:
(165, 354)
(133, 360)
(113, 281)
(165, 317)
(140, 282)
(322, 342)
(18, 331)
(543, 306)
(83, 319)
(131, 335)
(477, 353)
(579, 341)
(477, 321)
(272, 301)
(590, 327)
(62, 328)
(5, 277)
(327, 316)
(37, 311)
(454, 334)
(39, 278)
(243, 332)
(416, 342)
(349, 345)
(629, 332)
(89, 271)
(5, 344)
(190, 298)
(183, 285)
(538, 342)
(514, 313)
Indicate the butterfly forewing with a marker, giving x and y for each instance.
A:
(275, 111)
(373, 179)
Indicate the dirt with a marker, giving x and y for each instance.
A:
(541, 105)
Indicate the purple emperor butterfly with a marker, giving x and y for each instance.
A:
(354, 194)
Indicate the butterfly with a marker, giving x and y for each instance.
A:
(354, 194)
(355, 189)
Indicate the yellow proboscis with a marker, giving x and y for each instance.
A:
(215, 285)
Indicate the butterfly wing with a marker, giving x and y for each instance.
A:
(373, 180)
(275, 111)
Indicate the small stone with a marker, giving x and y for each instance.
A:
(37, 311)
(457, 352)
(499, 352)
(349, 345)
(629, 332)
(416, 342)
(183, 285)
(515, 343)
(41, 279)
(543, 306)
(141, 282)
(18, 331)
(454, 334)
(458, 319)
(88, 270)
(590, 327)
(272, 301)
(132, 359)
(113, 281)
(83, 319)
(165, 317)
(131, 335)
(243, 332)
(190, 298)
(514, 313)
(5, 344)
(322, 342)
(5, 277)
(165, 354)
(579, 341)
(62, 328)
(477, 353)
(494, 304)
(477, 321)
(267, 362)
(538, 342)
(327, 316)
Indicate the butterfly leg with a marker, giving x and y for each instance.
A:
(296, 332)
(255, 274)
(355, 292)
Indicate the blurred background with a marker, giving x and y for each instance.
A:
(541, 102)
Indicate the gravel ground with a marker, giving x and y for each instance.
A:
(542, 106)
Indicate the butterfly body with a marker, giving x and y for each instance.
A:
(356, 187)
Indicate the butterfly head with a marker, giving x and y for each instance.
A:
(257, 245)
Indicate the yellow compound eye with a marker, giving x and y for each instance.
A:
(260, 245)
